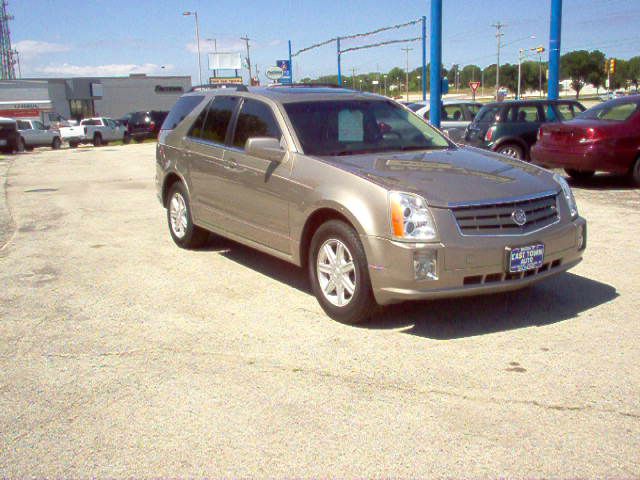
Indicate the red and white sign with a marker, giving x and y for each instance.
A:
(474, 86)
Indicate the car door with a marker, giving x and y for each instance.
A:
(261, 202)
(213, 186)
(525, 120)
(42, 136)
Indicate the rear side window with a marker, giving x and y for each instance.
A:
(183, 107)
(255, 120)
(487, 114)
(218, 118)
(452, 113)
(91, 122)
(22, 125)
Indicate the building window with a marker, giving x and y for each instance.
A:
(81, 109)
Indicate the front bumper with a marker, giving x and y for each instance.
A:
(468, 265)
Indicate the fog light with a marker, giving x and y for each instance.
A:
(425, 265)
(582, 237)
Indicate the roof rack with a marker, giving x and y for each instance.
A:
(214, 86)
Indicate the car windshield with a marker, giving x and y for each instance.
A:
(350, 127)
(613, 112)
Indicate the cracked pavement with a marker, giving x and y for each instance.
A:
(123, 355)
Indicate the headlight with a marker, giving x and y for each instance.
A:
(568, 195)
(411, 218)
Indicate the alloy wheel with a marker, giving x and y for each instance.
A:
(336, 272)
(178, 215)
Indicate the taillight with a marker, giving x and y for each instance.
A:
(589, 136)
(540, 134)
(489, 135)
(152, 125)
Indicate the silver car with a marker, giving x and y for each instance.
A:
(33, 134)
(455, 116)
(374, 203)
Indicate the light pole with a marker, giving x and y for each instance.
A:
(195, 15)
(385, 84)
(407, 50)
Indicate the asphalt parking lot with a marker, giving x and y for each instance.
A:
(121, 354)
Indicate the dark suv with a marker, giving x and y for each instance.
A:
(143, 125)
(9, 135)
(511, 127)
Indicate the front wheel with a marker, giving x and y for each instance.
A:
(580, 175)
(97, 140)
(511, 150)
(22, 146)
(55, 145)
(339, 273)
(184, 233)
(126, 139)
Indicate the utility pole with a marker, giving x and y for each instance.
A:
(520, 55)
(498, 26)
(482, 81)
(246, 39)
(407, 50)
(195, 15)
(353, 78)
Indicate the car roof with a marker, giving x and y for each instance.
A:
(294, 94)
(541, 101)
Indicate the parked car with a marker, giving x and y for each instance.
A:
(143, 125)
(511, 128)
(377, 205)
(455, 116)
(9, 135)
(33, 134)
(605, 138)
(98, 131)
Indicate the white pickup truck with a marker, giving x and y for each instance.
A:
(98, 130)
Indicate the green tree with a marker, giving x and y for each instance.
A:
(580, 66)
(633, 71)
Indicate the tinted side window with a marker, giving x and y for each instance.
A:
(22, 125)
(452, 113)
(525, 113)
(255, 120)
(196, 129)
(487, 114)
(183, 107)
(218, 118)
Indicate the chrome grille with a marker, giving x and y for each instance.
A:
(497, 218)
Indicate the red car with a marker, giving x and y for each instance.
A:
(604, 138)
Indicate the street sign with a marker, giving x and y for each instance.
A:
(274, 73)
(375, 82)
(223, 80)
(286, 71)
(474, 86)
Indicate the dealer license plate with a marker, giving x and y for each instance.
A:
(522, 259)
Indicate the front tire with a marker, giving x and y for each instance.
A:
(339, 273)
(97, 140)
(580, 175)
(126, 140)
(511, 150)
(184, 233)
(22, 146)
(55, 145)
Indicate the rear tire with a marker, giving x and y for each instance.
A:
(184, 233)
(339, 273)
(97, 140)
(634, 173)
(580, 175)
(511, 150)
(126, 140)
(21, 145)
(55, 145)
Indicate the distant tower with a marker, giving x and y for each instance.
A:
(6, 53)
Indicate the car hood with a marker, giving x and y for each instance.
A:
(452, 176)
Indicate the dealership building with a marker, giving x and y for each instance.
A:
(83, 97)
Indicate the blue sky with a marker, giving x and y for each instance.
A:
(113, 37)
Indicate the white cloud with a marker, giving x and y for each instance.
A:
(115, 69)
(275, 43)
(33, 48)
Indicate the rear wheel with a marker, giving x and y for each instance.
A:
(21, 145)
(126, 139)
(634, 173)
(55, 145)
(511, 150)
(184, 233)
(339, 273)
(97, 140)
(580, 175)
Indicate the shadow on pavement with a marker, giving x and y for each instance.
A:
(603, 181)
(556, 299)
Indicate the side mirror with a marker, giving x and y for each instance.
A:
(267, 148)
